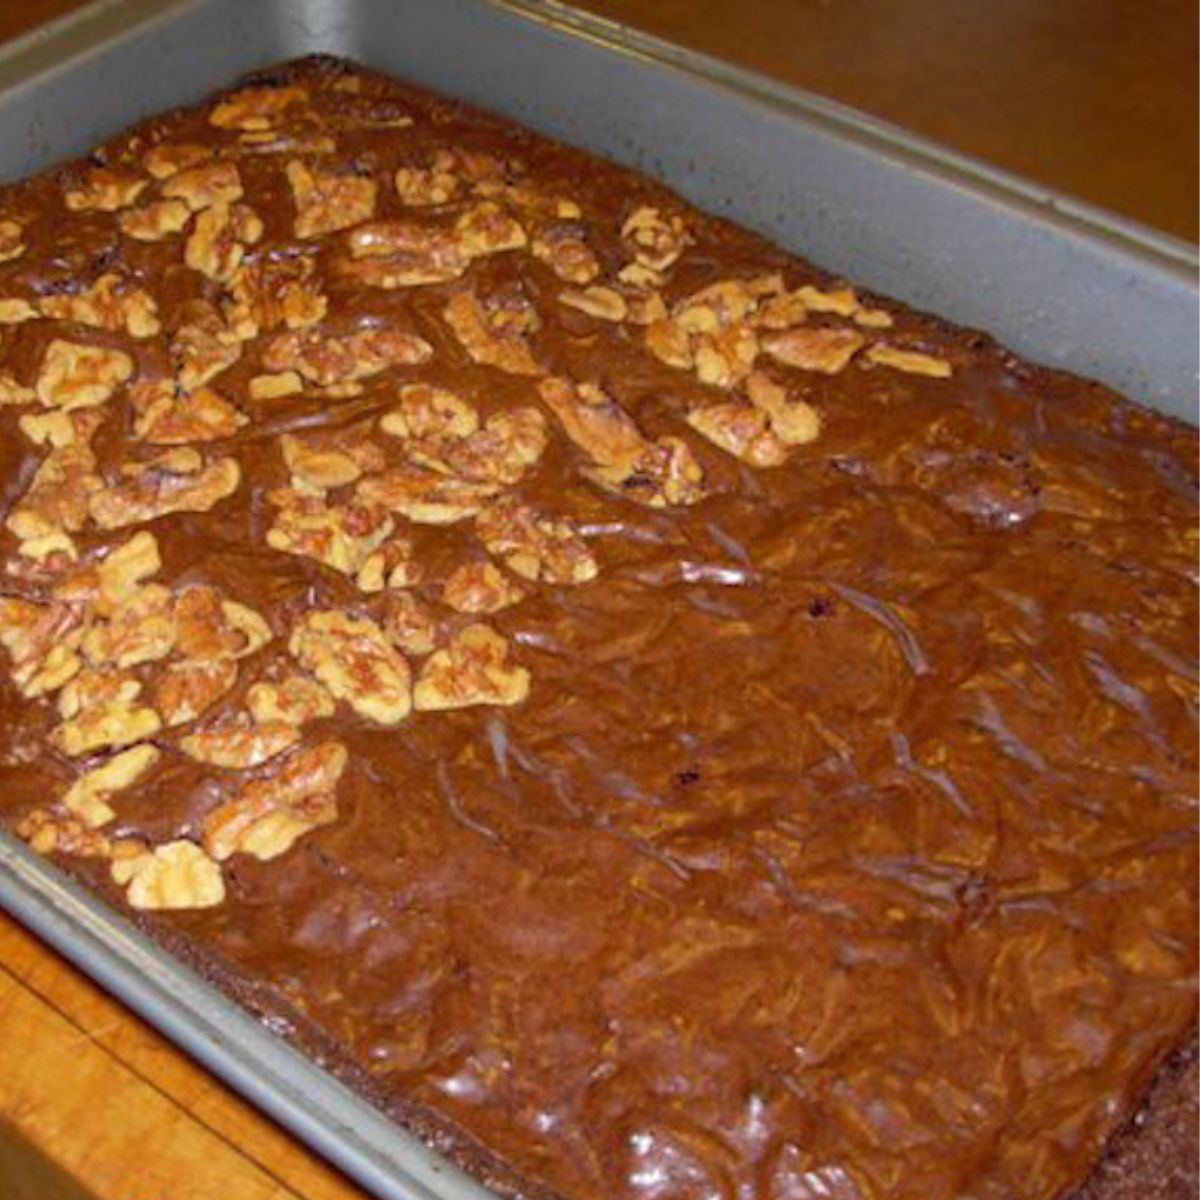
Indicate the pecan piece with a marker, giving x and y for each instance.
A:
(87, 798)
(41, 641)
(428, 187)
(105, 189)
(12, 243)
(424, 496)
(331, 360)
(111, 303)
(396, 254)
(656, 241)
(495, 331)
(910, 361)
(177, 480)
(410, 623)
(488, 229)
(472, 669)
(99, 711)
(793, 422)
(219, 238)
(342, 537)
(326, 202)
(201, 187)
(203, 347)
(188, 689)
(563, 249)
(169, 158)
(825, 350)
(168, 416)
(603, 303)
(426, 412)
(535, 546)
(74, 375)
(269, 815)
(740, 429)
(172, 876)
(480, 587)
(240, 744)
(270, 292)
(256, 108)
(294, 700)
(354, 660)
(141, 630)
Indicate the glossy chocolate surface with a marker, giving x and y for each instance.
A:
(845, 844)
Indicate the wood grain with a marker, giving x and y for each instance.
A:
(1093, 97)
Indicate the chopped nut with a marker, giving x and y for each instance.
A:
(328, 202)
(511, 441)
(429, 413)
(141, 630)
(656, 241)
(281, 141)
(495, 331)
(175, 481)
(725, 358)
(330, 360)
(271, 292)
(13, 393)
(488, 229)
(909, 361)
(41, 641)
(424, 496)
(472, 669)
(421, 188)
(392, 565)
(105, 190)
(110, 303)
(201, 187)
(203, 347)
(172, 876)
(240, 744)
(782, 312)
(269, 815)
(188, 689)
(873, 318)
(563, 249)
(209, 627)
(256, 107)
(169, 158)
(638, 275)
(74, 375)
(741, 430)
(534, 546)
(14, 311)
(793, 422)
(295, 700)
(669, 342)
(842, 301)
(480, 587)
(395, 254)
(342, 537)
(274, 387)
(824, 350)
(108, 585)
(603, 303)
(88, 796)
(167, 416)
(99, 711)
(410, 623)
(725, 303)
(47, 833)
(219, 238)
(320, 468)
(12, 244)
(59, 495)
(354, 660)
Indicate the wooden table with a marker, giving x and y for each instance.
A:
(1093, 97)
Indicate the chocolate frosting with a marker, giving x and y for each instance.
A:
(845, 844)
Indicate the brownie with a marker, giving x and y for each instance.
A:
(658, 720)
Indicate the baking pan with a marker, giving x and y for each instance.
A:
(1057, 281)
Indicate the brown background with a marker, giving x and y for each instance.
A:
(1097, 98)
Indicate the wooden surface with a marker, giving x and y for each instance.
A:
(1093, 97)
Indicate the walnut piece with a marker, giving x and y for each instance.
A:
(272, 292)
(240, 744)
(563, 249)
(355, 661)
(42, 642)
(201, 187)
(111, 303)
(326, 360)
(342, 537)
(110, 583)
(424, 496)
(140, 630)
(330, 461)
(49, 833)
(909, 361)
(603, 303)
(256, 108)
(793, 422)
(275, 386)
(207, 626)
(740, 429)
(396, 254)
(825, 350)
(169, 416)
(294, 700)
(177, 480)
(58, 497)
(15, 311)
(12, 240)
(74, 375)
(495, 331)
(169, 158)
(430, 413)
(480, 587)
(219, 237)
(99, 711)
(535, 546)
(410, 623)
(328, 202)
(175, 875)
(203, 347)
(510, 442)
(188, 689)
(270, 815)
(472, 669)
(87, 798)
(656, 241)
(105, 189)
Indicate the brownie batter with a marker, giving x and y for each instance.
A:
(663, 724)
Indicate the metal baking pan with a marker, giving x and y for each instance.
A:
(1061, 283)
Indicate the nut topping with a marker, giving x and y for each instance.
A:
(88, 796)
(74, 375)
(41, 641)
(472, 669)
(488, 229)
(294, 700)
(175, 481)
(495, 332)
(203, 186)
(105, 190)
(329, 360)
(172, 876)
(48, 833)
(424, 496)
(428, 188)
(141, 630)
(793, 422)
(314, 467)
(328, 202)
(240, 744)
(188, 689)
(563, 249)
(342, 537)
(511, 441)
(909, 361)
(12, 244)
(269, 815)
(603, 303)
(156, 221)
(741, 430)
(209, 627)
(534, 546)
(99, 711)
(410, 623)
(395, 254)
(169, 158)
(15, 311)
(427, 412)
(354, 660)
(480, 587)
(167, 416)
(203, 347)
(256, 108)
(825, 350)
(272, 292)
(110, 303)
(656, 241)
(219, 238)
